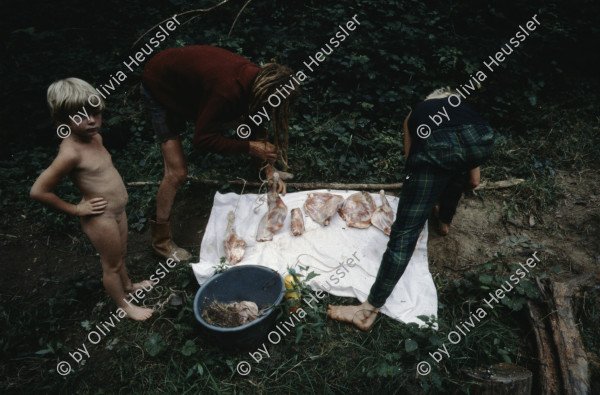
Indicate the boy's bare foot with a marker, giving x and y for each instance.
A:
(362, 316)
(442, 228)
(137, 313)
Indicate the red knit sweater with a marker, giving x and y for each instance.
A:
(208, 85)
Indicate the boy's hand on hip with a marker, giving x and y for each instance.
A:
(263, 150)
(93, 206)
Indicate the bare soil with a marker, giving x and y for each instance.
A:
(568, 234)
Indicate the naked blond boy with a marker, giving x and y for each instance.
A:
(88, 164)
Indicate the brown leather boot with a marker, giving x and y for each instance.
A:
(162, 243)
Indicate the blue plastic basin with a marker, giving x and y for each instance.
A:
(254, 283)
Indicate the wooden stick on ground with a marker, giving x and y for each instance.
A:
(499, 184)
(563, 361)
(573, 359)
(549, 379)
(332, 185)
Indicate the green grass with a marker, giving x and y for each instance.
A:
(170, 354)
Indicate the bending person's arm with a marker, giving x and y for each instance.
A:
(214, 115)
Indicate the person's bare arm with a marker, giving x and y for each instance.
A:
(407, 140)
(41, 190)
(263, 150)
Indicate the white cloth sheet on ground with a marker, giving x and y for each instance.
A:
(414, 295)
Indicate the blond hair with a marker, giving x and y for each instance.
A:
(70, 95)
(270, 77)
(440, 93)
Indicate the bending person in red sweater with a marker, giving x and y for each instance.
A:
(214, 88)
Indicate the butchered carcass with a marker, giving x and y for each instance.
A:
(234, 245)
(321, 206)
(297, 224)
(383, 217)
(275, 216)
(357, 210)
(263, 234)
(248, 311)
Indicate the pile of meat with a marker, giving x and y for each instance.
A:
(229, 315)
(358, 210)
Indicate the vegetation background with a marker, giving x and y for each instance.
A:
(542, 101)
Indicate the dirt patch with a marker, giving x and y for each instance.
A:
(569, 233)
(33, 263)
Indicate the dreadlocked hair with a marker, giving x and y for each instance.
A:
(270, 77)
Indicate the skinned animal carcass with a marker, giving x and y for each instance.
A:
(275, 216)
(357, 210)
(234, 245)
(297, 224)
(383, 217)
(321, 206)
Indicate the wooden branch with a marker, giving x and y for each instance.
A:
(563, 361)
(339, 185)
(237, 16)
(548, 375)
(183, 13)
(327, 185)
(573, 359)
(499, 184)
(299, 185)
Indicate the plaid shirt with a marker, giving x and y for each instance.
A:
(431, 172)
(453, 148)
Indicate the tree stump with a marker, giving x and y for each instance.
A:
(502, 378)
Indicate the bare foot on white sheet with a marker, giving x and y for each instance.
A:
(362, 316)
